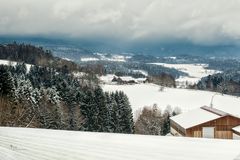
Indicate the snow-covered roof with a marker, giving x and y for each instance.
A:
(237, 129)
(39, 144)
(194, 117)
(214, 110)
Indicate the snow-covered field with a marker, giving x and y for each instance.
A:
(145, 73)
(141, 95)
(89, 59)
(195, 72)
(67, 59)
(42, 144)
(13, 63)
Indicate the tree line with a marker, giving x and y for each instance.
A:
(50, 96)
(46, 98)
(224, 83)
(38, 56)
(151, 120)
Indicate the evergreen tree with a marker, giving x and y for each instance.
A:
(103, 118)
(110, 105)
(49, 99)
(166, 122)
(90, 112)
(6, 82)
(116, 112)
(24, 89)
(21, 69)
(126, 120)
(49, 108)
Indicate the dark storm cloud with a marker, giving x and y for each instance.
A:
(197, 21)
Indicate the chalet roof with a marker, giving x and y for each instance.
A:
(215, 111)
(194, 117)
(237, 129)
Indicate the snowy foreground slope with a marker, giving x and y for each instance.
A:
(41, 144)
(141, 95)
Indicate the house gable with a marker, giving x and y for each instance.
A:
(193, 118)
(223, 127)
(191, 124)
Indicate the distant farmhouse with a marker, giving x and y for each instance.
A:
(207, 122)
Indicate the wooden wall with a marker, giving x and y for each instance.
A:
(223, 127)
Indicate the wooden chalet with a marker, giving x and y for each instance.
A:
(206, 122)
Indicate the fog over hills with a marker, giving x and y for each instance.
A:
(89, 46)
(166, 27)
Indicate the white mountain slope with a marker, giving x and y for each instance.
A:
(42, 144)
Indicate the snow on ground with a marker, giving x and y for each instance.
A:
(42, 144)
(13, 63)
(184, 81)
(89, 59)
(170, 58)
(115, 57)
(141, 71)
(195, 72)
(141, 95)
(108, 78)
(67, 59)
(79, 74)
(105, 57)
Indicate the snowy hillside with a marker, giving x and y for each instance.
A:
(41, 144)
(13, 63)
(141, 95)
(106, 57)
(195, 72)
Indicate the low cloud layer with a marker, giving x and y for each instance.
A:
(198, 21)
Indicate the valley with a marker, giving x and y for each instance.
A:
(119, 80)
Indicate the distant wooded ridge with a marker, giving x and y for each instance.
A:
(39, 56)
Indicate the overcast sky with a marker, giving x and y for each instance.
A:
(197, 21)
